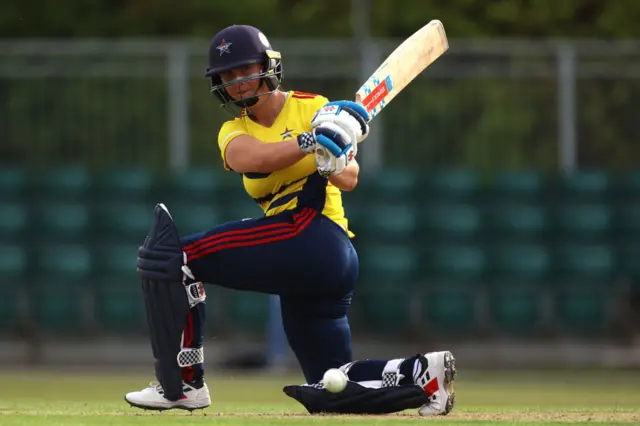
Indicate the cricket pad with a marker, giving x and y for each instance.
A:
(160, 261)
(357, 399)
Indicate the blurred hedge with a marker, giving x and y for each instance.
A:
(483, 124)
(279, 18)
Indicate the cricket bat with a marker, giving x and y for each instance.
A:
(404, 64)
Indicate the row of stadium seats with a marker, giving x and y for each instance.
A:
(380, 266)
(453, 184)
(114, 304)
(61, 285)
(516, 252)
(400, 222)
(503, 220)
(510, 307)
(69, 221)
(110, 305)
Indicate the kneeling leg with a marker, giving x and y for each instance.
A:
(318, 332)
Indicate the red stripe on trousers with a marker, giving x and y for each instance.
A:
(194, 246)
(288, 227)
(188, 372)
(188, 331)
(296, 229)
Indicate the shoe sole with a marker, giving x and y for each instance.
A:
(449, 378)
(177, 407)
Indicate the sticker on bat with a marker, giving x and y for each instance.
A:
(378, 94)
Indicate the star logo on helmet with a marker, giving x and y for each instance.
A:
(287, 133)
(223, 47)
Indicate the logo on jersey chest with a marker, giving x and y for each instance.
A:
(287, 134)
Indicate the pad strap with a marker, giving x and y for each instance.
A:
(195, 290)
(195, 293)
(190, 356)
(391, 374)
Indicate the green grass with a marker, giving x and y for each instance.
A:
(536, 398)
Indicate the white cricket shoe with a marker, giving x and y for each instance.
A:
(437, 382)
(152, 398)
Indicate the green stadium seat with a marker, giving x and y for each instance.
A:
(515, 305)
(383, 266)
(222, 190)
(60, 221)
(629, 187)
(387, 278)
(64, 261)
(355, 212)
(517, 186)
(582, 222)
(248, 311)
(456, 262)
(628, 221)
(13, 262)
(118, 298)
(121, 184)
(198, 184)
(391, 185)
(195, 217)
(389, 223)
(516, 222)
(586, 286)
(68, 183)
(384, 309)
(449, 305)
(60, 287)
(628, 255)
(124, 222)
(449, 223)
(13, 279)
(520, 262)
(519, 274)
(14, 183)
(118, 260)
(583, 307)
(14, 221)
(584, 186)
(451, 185)
(595, 262)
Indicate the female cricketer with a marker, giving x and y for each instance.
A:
(296, 153)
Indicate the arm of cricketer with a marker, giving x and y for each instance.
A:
(348, 179)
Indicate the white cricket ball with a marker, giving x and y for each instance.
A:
(334, 380)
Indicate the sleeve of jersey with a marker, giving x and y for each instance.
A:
(228, 131)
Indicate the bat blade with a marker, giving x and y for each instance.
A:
(404, 64)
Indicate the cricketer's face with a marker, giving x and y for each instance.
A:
(246, 86)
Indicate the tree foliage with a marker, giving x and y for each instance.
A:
(499, 123)
(327, 18)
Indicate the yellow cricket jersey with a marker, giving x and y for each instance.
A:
(298, 185)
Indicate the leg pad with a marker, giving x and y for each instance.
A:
(160, 260)
(357, 399)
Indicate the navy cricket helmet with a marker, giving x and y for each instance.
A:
(236, 46)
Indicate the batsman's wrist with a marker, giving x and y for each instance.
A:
(307, 142)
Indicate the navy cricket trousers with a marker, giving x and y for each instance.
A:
(300, 255)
